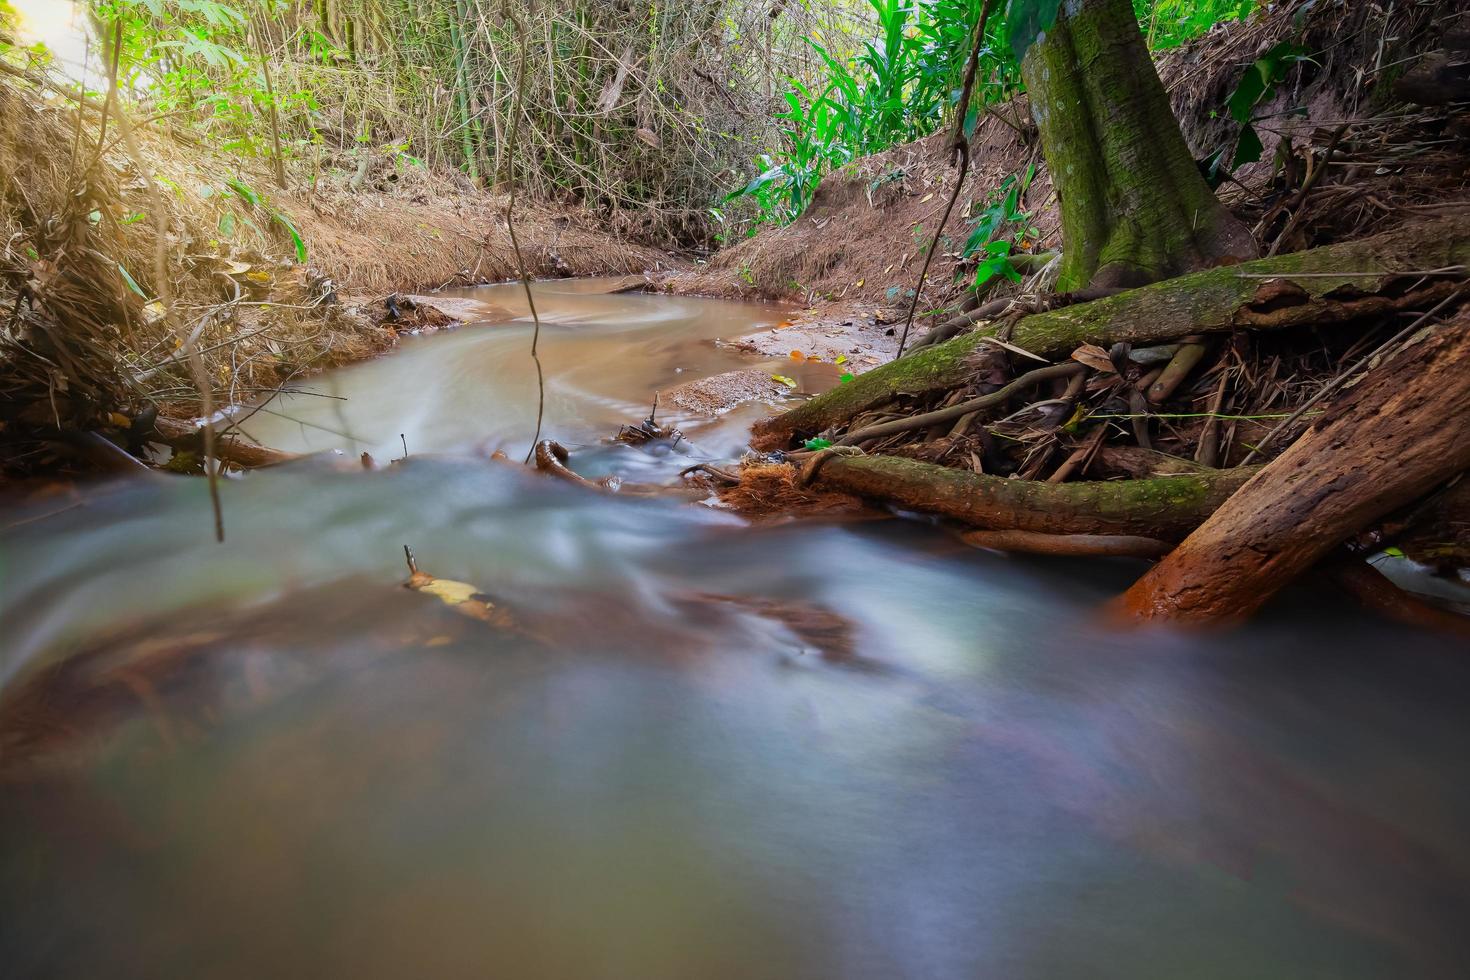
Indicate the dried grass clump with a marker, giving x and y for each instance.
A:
(772, 489)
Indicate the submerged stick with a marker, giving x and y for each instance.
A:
(510, 207)
(1070, 545)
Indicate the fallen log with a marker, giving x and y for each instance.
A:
(232, 449)
(1406, 269)
(1393, 438)
(1165, 507)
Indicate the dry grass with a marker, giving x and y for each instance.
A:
(771, 490)
(79, 345)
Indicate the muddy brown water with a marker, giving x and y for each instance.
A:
(702, 750)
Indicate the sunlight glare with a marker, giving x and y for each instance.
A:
(54, 23)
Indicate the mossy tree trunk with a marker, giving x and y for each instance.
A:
(1135, 208)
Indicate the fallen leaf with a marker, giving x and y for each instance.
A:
(797, 355)
(1094, 357)
(462, 597)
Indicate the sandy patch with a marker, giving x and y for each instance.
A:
(714, 396)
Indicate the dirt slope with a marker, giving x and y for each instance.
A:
(861, 240)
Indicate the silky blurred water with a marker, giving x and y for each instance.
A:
(702, 749)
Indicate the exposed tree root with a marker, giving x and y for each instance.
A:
(1408, 269)
(1164, 507)
(1072, 545)
(1394, 437)
(1377, 592)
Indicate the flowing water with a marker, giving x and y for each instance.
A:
(690, 748)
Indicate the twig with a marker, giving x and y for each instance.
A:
(164, 286)
(1301, 195)
(961, 146)
(510, 207)
(953, 412)
(1343, 375)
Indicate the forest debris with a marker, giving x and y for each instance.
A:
(1374, 277)
(1388, 441)
(957, 411)
(774, 490)
(1162, 507)
(1185, 360)
(463, 598)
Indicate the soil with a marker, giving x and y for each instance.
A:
(862, 239)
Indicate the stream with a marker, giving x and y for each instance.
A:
(698, 748)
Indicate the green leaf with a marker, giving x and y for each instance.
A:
(295, 237)
(1249, 149)
(132, 283)
(245, 192)
(845, 378)
(815, 444)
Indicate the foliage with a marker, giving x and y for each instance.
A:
(1169, 23)
(999, 229)
(899, 86)
(904, 83)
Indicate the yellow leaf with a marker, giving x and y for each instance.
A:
(841, 358)
(451, 592)
(926, 197)
(788, 382)
(860, 283)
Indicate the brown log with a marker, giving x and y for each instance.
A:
(1166, 507)
(1078, 545)
(1389, 440)
(231, 449)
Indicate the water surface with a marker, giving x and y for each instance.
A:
(700, 750)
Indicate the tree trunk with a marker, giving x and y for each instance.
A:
(1368, 278)
(1166, 507)
(1395, 436)
(1134, 206)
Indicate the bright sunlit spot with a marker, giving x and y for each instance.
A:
(55, 24)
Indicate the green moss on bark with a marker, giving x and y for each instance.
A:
(1134, 206)
(1166, 507)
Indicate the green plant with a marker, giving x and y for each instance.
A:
(253, 198)
(899, 86)
(999, 228)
